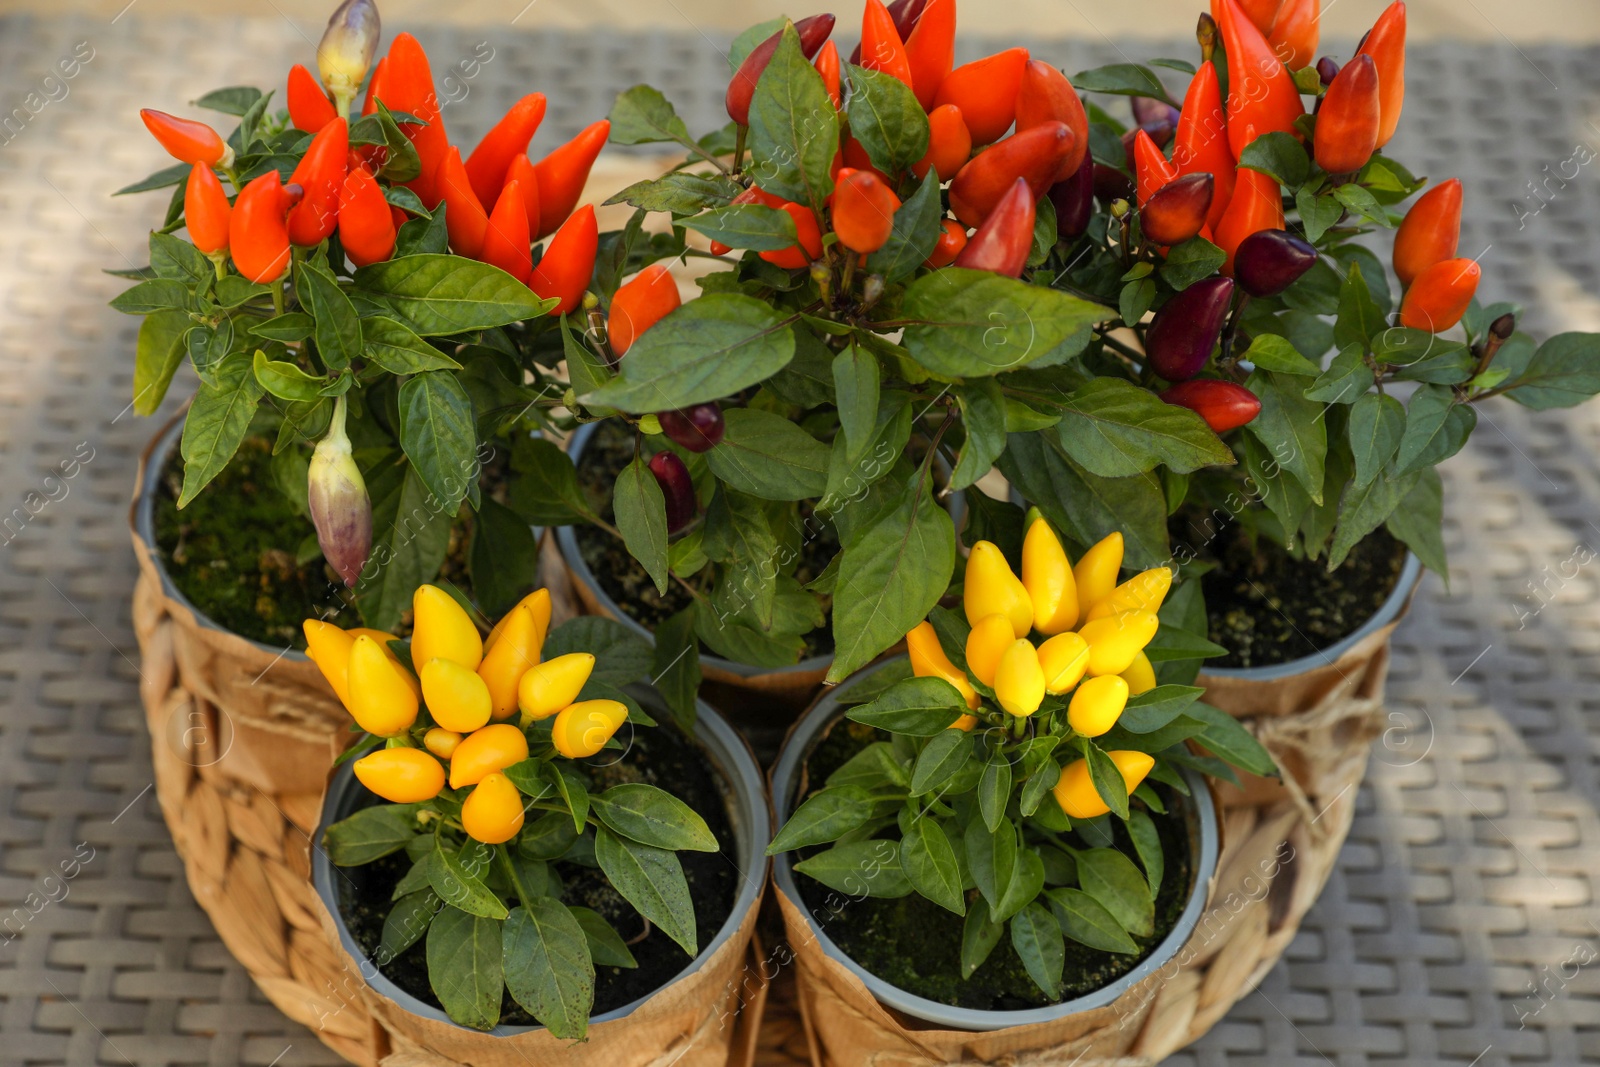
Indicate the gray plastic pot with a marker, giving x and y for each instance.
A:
(743, 789)
(1204, 841)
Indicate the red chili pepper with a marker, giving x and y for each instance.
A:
(521, 171)
(1347, 122)
(486, 167)
(863, 210)
(408, 86)
(906, 15)
(810, 234)
(1261, 93)
(568, 261)
(375, 87)
(186, 139)
(506, 243)
(320, 173)
(1295, 33)
(1201, 145)
(699, 428)
(464, 216)
(827, 64)
(1185, 329)
(986, 92)
(677, 487)
(1430, 231)
(366, 225)
(639, 304)
(1074, 200)
(309, 106)
(1178, 209)
(1004, 240)
(1257, 204)
(562, 174)
(1261, 13)
(1224, 405)
(1047, 96)
(931, 49)
(881, 47)
(1152, 170)
(949, 144)
(952, 239)
(813, 31)
(854, 156)
(206, 210)
(1440, 295)
(258, 237)
(1386, 44)
(1033, 155)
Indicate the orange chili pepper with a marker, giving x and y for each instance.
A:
(1261, 93)
(321, 174)
(568, 261)
(812, 31)
(309, 106)
(464, 216)
(952, 239)
(1295, 33)
(187, 140)
(506, 243)
(1047, 96)
(810, 234)
(1257, 204)
(258, 236)
(206, 210)
(1430, 231)
(1177, 211)
(881, 47)
(931, 49)
(1440, 295)
(1261, 13)
(562, 174)
(1033, 155)
(986, 92)
(369, 104)
(486, 167)
(366, 226)
(1201, 142)
(949, 144)
(639, 304)
(854, 156)
(1004, 240)
(521, 171)
(827, 64)
(863, 209)
(408, 86)
(1347, 122)
(1386, 44)
(1151, 168)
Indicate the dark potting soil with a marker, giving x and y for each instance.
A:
(1266, 607)
(608, 450)
(915, 944)
(660, 756)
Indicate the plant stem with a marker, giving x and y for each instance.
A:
(277, 298)
(738, 148)
(511, 874)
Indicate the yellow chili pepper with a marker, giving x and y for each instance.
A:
(929, 661)
(1076, 794)
(1096, 572)
(1140, 675)
(1097, 705)
(382, 700)
(1143, 592)
(538, 604)
(1115, 639)
(383, 640)
(401, 775)
(582, 729)
(986, 643)
(507, 658)
(492, 812)
(457, 699)
(1064, 659)
(1019, 680)
(443, 630)
(964, 724)
(546, 688)
(441, 742)
(329, 648)
(1047, 575)
(990, 588)
(493, 748)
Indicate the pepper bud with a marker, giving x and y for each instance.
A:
(345, 52)
(1503, 327)
(340, 508)
(1206, 33)
(1327, 69)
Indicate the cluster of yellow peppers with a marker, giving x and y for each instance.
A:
(1095, 632)
(468, 683)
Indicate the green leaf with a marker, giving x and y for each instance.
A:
(1418, 521)
(439, 436)
(216, 424)
(621, 655)
(370, 834)
(642, 115)
(859, 868)
(1191, 261)
(1154, 708)
(856, 384)
(893, 572)
(972, 323)
(157, 355)
(983, 417)
(407, 921)
(439, 294)
(544, 484)
(991, 857)
(679, 193)
(606, 947)
(930, 864)
(912, 238)
(1363, 508)
(393, 346)
(1122, 79)
(994, 790)
(708, 349)
(886, 119)
(875, 765)
(1360, 318)
(423, 236)
(338, 328)
(1085, 920)
(234, 100)
(1227, 738)
(1026, 883)
(411, 535)
(916, 707)
(1270, 352)
(285, 380)
(854, 470)
(1280, 156)
(753, 226)
(1563, 372)
(290, 327)
(1346, 380)
(460, 888)
(157, 294)
(794, 129)
(676, 669)
(1107, 780)
(768, 456)
(1136, 506)
(1036, 936)
(1115, 429)
(504, 558)
(1377, 422)
(823, 817)
(1427, 428)
(1362, 203)
(641, 516)
(940, 760)
(547, 966)
(161, 179)
(403, 198)
(464, 967)
(651, 879)
(1147, 843)
(979, 936)
(1111, 879)
(653, 816)
(1292, 428)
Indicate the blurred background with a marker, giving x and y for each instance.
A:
(1467, 890)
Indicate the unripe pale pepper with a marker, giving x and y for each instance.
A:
(929, 661)
(492, 812)
(1097, 705)
(986, 644)
(548, 687)
(481, 753)
(582, 729)
(336, 494)
(1075, 791)
(457, 698)
(382, 700)
(1019, 679)
(1047, 576)
(401, 775)
(990, 588)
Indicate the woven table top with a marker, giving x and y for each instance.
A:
(1461, 925)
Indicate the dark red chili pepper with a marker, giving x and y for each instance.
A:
(1186, 328)
(486, 167)
(1074, 200)
(320, 173)
(1033, 155)
(309, 106)
(1269, 261)
(698, 428)
(1004, 240)
(813, 31)
(206, 210)
(677, 487)
(1224, 405)
(1178, 209)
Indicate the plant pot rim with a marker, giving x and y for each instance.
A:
(748, 811)
(1387, 613)
(1202, 869)
(144, 527)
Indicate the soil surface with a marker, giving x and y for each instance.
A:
(915, 944)
(660, 756)
(1266, 607)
